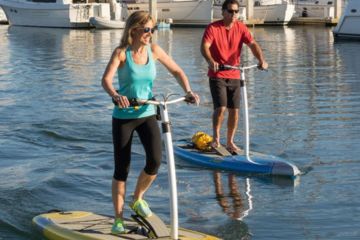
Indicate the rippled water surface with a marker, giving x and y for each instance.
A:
(55, 134)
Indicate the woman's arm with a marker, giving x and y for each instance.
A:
(117, 60)
(175, 70)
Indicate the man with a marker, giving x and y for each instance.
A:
(221, 44)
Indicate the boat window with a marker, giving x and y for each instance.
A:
(44, 1)
(353, 10)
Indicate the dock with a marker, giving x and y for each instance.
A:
(313, 21)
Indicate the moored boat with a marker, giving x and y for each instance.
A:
(274, 12)
(323, 9)
(182, 12)
(3, 18)
(56, 13)
(102, 23)
(348, 25)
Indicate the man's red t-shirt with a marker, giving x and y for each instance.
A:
(226, 46)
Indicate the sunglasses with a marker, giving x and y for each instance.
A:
(147, 30)
(232, 11)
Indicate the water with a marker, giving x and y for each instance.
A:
(55, 134)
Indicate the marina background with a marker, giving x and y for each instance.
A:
(55, 133)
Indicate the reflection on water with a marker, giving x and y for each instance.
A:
(232, 202)
(55, 133)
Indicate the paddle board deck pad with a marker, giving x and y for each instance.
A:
(80, 225)
(258, 163)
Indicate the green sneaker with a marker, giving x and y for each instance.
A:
(140, 207)
(118, 227)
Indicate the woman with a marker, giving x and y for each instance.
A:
(134, 62)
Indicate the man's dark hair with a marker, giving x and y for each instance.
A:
(227, 2)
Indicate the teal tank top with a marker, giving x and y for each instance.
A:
(136, 81)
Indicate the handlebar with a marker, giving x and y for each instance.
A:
(229, 67)
(156, 102)
(134, 102)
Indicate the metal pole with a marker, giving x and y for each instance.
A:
(153, 9)
(245, 115)
(174, 225)
(249, 9)
(338, 8)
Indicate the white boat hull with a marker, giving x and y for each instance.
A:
(50, 14)
(323, 11)
(3, 18)
(278, 14)
(182, 12)
(102, 23)
(348, 25)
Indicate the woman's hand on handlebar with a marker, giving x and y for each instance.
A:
(263, 65)
(121, 101)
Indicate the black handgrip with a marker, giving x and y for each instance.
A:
(133, 101)
(222, 67)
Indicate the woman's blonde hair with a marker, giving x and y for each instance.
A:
(136, 20)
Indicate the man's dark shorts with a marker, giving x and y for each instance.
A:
(225, 92)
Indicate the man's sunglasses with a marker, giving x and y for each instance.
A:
(232, 11)
(147, 29)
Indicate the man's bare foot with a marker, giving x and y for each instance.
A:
(233, 149)
(214, 144)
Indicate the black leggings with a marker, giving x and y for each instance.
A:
(149, 134)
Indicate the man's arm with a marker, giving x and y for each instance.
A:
(205, 51)
(256, 50)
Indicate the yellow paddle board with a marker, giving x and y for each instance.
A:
(80, 225)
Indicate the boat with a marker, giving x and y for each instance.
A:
(3, 19)
(102, 23)
(56, 13)
(323, 9)
(348, 25)
(182, 12)
(115, 20)
(272, 12)
(257, 163)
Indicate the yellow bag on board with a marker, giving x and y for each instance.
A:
(202, 141)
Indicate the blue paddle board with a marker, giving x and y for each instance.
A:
(257, 163)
